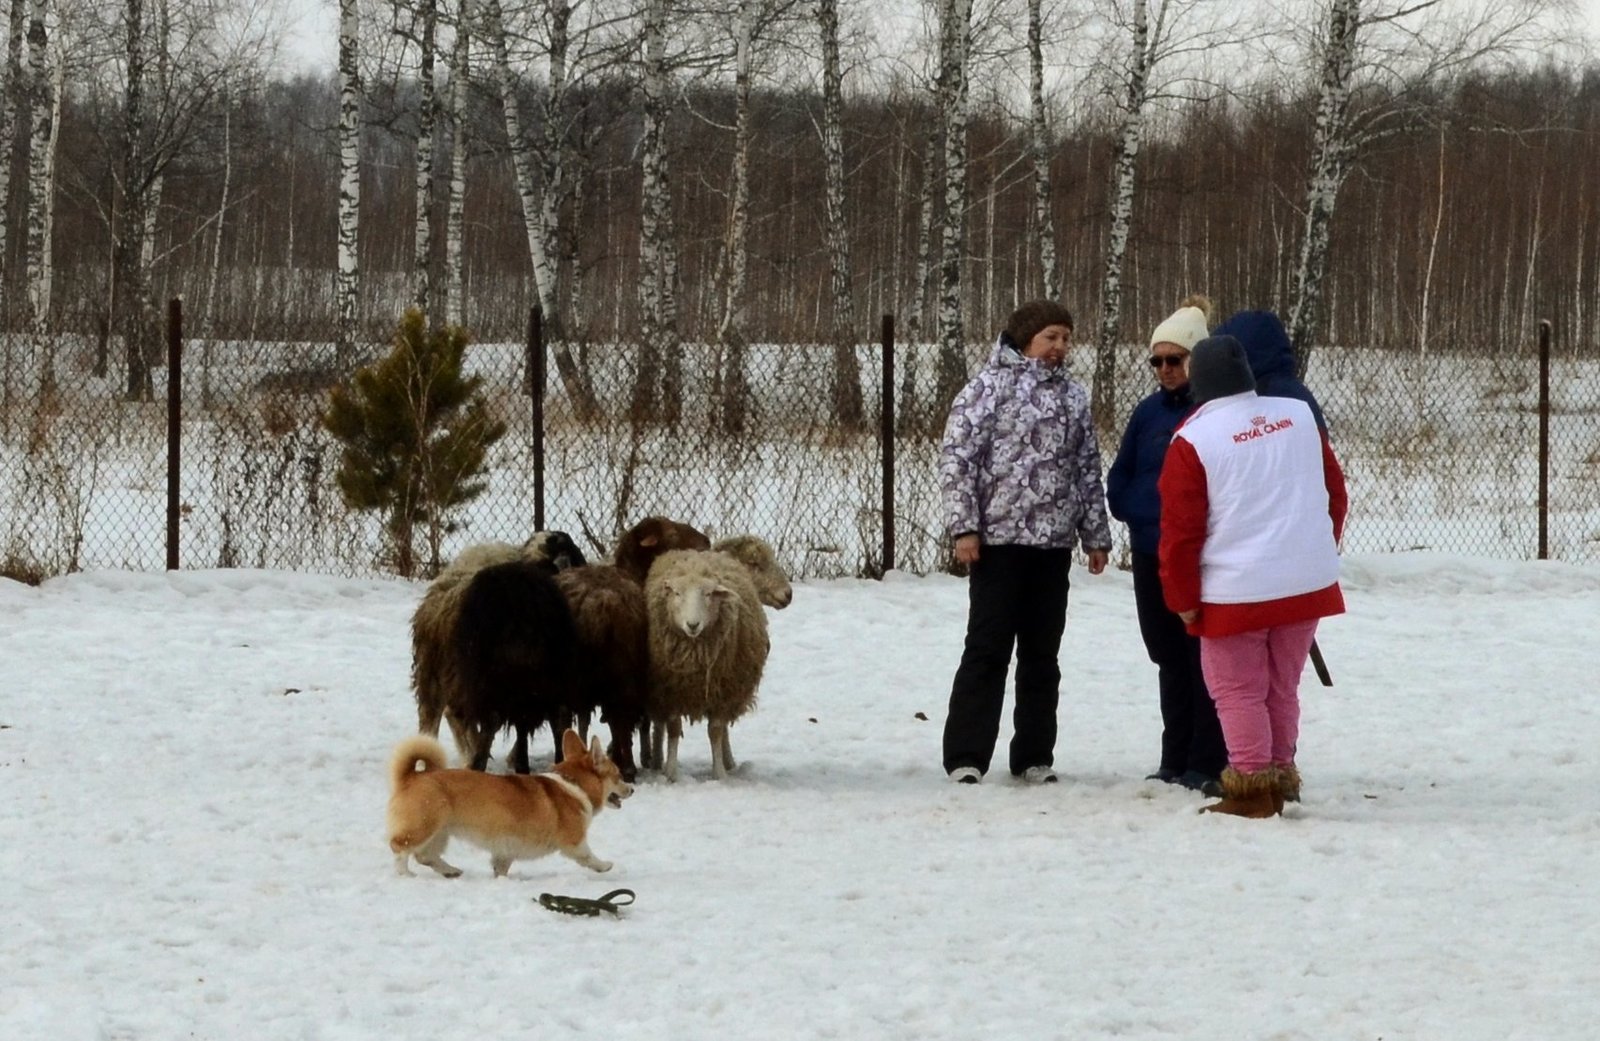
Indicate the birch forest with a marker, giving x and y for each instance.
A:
(1406, 174)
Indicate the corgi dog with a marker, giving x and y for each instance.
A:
(513, 816)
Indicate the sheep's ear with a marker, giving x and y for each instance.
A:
(721, 592)
(571, 744)
(650, 539)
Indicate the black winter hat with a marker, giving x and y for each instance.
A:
(1219, 367)
(1026, 321)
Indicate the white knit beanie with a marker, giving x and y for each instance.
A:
(1186, 326)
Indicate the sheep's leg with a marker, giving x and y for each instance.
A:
(727, 749)
(674, 733)
(518, 759)
(466, 737)
(658, 736)
(621, 750)
(481, 740)
(560, 721)
(718, 731)
(429, 714)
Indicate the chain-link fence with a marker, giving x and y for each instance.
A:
(1441, 451)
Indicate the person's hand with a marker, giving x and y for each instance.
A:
(1097, 560)
(967, 549)
(1189, 616)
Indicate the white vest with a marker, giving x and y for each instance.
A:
(1268, 533)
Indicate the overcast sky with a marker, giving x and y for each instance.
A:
(313, 37)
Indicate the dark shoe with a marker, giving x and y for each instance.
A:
(1247, 795)
(1205, 784)
(1165, 775)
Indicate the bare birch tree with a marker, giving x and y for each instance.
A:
(848, 410)
(427, 121)
(455, 257)
(540, 196)
(955, 31)
(10, 97)
(1383, 69)
(347, 279)
(658, 391)
(1135, 84)
(1040, 148)
(733, 385)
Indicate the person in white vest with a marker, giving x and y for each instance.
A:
(1252, 510)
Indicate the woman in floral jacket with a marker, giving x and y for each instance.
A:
(1020, 476)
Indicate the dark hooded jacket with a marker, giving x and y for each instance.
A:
(1131, 484)
(1266, 344)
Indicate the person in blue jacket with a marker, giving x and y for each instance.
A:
(1193, 752)
(1271, 355)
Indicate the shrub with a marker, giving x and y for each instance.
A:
(414, 433)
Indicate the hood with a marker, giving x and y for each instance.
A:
(1008, 355)
(1266, 342)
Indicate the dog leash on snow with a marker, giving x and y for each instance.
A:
(612, 903)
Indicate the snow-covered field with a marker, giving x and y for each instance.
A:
(191, 837)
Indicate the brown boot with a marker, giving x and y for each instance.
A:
(1288, 787)
(1246, 795)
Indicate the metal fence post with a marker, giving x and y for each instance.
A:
(886, 437)
(174, 422)
(536, 380)
(1544, 440)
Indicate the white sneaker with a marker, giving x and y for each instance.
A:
(966, 775)
(1039, 775)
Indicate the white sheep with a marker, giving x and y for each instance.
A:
(708, 647)
(771, 581)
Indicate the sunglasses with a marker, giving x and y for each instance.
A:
(1168, 361)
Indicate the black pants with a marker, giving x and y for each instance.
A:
(1191, 737)
(1017, 597)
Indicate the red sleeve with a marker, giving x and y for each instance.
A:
(1338, 497)
(1184, 506)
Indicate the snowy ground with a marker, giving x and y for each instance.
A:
(191, 838)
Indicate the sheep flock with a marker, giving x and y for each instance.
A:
(672, 629)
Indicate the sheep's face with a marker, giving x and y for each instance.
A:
(695, 604)
(554, 548)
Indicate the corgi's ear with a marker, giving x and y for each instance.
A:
(595, 751)
(571, 744)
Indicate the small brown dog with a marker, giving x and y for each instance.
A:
(513, 816)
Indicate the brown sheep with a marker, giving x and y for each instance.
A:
(612, 663)
(641, 544)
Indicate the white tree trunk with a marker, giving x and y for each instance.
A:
(733, 387)
(1125, 167)
(215, 274)
(522, 163)
(848, 410)
(152, 207)
(1332, 150)
(455, 259)
(658, 392)
(955, 33)
(554, 168)
(133, 291)
(927, 201)
(348, 284)
(41, 190)
(10, 92)
(427, 118)
(1039, 143)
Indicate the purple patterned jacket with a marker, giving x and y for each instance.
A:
(1020, 464)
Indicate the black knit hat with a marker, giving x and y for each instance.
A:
(1219, 367)
(1026, 321)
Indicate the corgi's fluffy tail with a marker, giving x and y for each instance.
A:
(408, 753)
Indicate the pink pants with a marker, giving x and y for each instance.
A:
(1255, 680)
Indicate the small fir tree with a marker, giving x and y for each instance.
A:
(415, 433)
